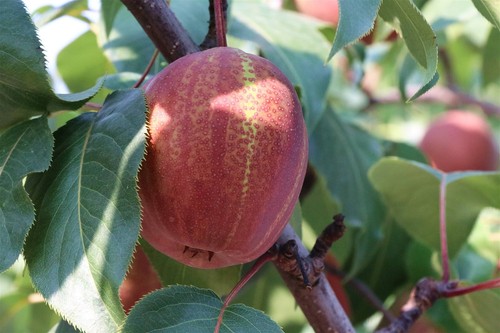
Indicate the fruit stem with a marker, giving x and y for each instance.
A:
(266, 257)
(220, 25)
(442, 226)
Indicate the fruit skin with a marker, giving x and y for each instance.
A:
(460, 141)
(226, 158)
(326, 10)
(140, 280)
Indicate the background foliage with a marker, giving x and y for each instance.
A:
(77, 170)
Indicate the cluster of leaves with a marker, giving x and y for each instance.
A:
(79, 175)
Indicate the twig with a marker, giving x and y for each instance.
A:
(259, 263)
(363, 290)
(148, 68)
(423, 296)
(318, 303)
(211, 36)
(445, 260)
(162, 27)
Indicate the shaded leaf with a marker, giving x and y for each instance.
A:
(477, 312)
(418, 36)
(318, 209)
(171, 272)
(356, 19)
(24, 148)
(343, 153)
(490, 9)
(385, 272)
(491, 59)
(24, 89)
(485, 237)
(88, 213)
(411, 191)
(294, 44)
(190, 309)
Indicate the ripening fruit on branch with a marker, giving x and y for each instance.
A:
(326, 10)
(460, 141)
(140, 280)
(226, 158)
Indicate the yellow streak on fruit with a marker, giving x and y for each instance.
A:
(251, 130)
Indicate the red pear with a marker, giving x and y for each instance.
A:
(461, 141)
(226, 158)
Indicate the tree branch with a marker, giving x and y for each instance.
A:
(318, 302)
(162, 27)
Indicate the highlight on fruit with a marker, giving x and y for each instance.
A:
(226, 157)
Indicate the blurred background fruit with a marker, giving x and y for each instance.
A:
(460, 141)
(140, 280)
(326, 10)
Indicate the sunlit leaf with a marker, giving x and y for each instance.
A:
(82, 63)
(418, 36)
(356, 20)
(49, 13)
(343, 153)
(477, 312)
(88, 213)
(411, 190)
(490, 9)
(190, 309)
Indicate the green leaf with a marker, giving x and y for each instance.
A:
(171, 272)
(357, 18)
(491, 61)
(343, 153)
(22, 312)
(47, 14)
(128, 47)
(294, 44)
(386, 271)
(420, 261)
(490, 9)
(24, 89)
(411, 191)
(318, 209)
(24, 148)
(477, 312)
(418, 36)
(190, 309)
(485, 237)
(92, 64)
(109, 10)
(88, 213)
